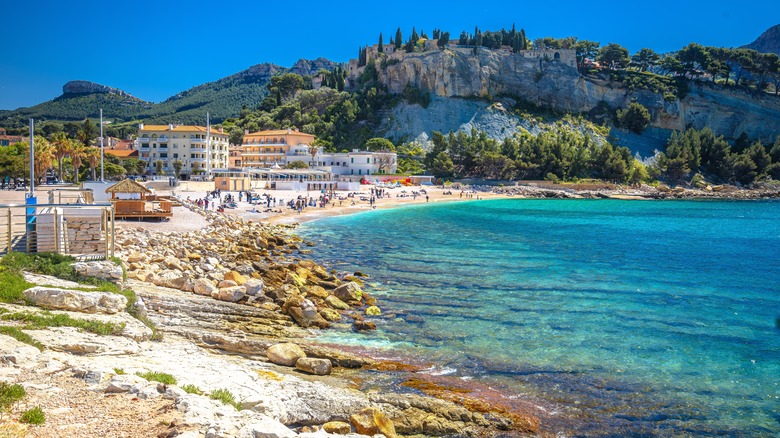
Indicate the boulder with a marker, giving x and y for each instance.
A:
(231, 294)
(337, 427)
(171, 262)
(235, 276)
(307, 318)
(316, 291)
(373, 311)
(254, 287)
(336, 303)
(226, 283)
(348, 292)
(364, 325)
(371, 421)
(285, 354)
(330, 315)
(105, 270)
(203, 286)
(311, 365)
(266, 428)
(75, 300)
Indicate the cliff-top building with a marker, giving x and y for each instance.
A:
(198, 153)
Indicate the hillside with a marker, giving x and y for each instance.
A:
(222, 98)
(768, 42)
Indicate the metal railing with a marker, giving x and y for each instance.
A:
(84, 231)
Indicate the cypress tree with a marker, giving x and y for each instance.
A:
(398, 39)
(414, 37)
(380, 42)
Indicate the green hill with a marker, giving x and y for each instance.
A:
(222, 99)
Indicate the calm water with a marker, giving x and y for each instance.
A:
(643, 318)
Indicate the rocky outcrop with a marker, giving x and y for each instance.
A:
(88, 302)
(87, 87)
(310, 67)
(550, 84)
(768, 42)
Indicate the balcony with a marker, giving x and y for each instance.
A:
(197, 140)
(198, 148)
(143, 147)
(162, 139)
(263, 154)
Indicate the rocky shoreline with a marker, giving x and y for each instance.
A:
(236, 305)
(608, 191)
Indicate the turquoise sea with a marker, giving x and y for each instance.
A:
(615, 317)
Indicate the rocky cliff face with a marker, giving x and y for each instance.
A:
(768, 42)
(87, 87)
(458, 73)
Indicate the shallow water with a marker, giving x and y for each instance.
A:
(649, 318)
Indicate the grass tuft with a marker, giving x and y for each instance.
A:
(119, 371)
(10, 394)
(21, 336)
(154, 376)
(46, 319)
(226, 397)
(33, 416)
(191, 389)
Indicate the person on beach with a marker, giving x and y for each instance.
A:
(426, 198)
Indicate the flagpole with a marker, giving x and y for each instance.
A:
(32, 160)
(101, 145)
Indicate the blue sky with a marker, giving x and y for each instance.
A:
(154, 50)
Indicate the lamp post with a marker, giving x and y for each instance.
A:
(101, 145)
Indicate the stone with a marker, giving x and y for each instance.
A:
(348, 292)
(203, 286)
(226, 283)
(371, 421)
(337, 427)
(285, 354)
(231, 294)
(311, 365)
(254, 287)
(266, 428)
(330, 315)
(74, 300)
(104, 270)
(171, 262)
(316, 291)
(336, 303)
(364, 325)
(307, 318)
(235, 276)
(373, 311)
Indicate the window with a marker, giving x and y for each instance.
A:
(368, 160)
(353, 160)
(164, 155)
(175, 155)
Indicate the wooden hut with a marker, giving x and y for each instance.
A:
(130, 201)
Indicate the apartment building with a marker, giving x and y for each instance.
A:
(198, 153)
(265, 149)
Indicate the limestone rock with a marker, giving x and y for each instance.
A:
(79, 301)
(226, 283)
(373, 311)
(105, 270)
(235, 276)
(231, 294)
(371, 421)
(71, 340)
(266, 428)
(203, 286)
(254, 287)
(336, 303)
(337, 427)
(330, 315)
(319, 367)
(348, 292)
(364, 325)
(285, 354)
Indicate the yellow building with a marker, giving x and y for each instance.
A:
(191, 145)
(270, 148)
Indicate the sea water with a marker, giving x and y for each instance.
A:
(621, 317)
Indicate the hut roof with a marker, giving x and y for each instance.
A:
(128, 186)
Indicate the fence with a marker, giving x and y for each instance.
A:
(84, 231)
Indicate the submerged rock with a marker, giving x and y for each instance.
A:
(319, 367)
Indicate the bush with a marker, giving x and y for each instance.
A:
(33, 416)
(636, 117)
(226, 397)
(10, 394)
(154, 376)
(191, 389)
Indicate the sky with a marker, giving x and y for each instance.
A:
(154, 50)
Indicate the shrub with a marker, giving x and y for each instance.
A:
(10, 394)
(191, 389)
(226, 397)
(21, 336)
(119, 371)
(154, 376)
(636, 117)
(33, 416)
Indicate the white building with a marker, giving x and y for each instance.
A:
(199, 153)
(356, 162)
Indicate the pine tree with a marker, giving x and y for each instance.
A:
(398, 39)
(380, 43)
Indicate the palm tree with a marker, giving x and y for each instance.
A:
(44, 156)
(92, 155)
(61, 145)
(77, 155)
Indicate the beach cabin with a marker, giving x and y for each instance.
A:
(130, 200)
